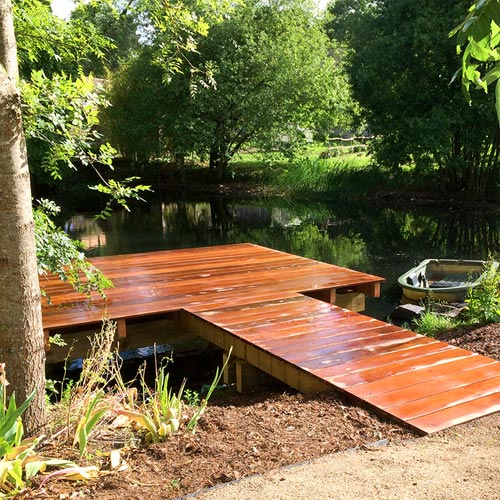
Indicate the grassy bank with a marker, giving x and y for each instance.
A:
(346, 176)
(316, 173)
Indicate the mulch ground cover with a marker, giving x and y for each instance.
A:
(243, 435)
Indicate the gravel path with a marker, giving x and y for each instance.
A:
(458, 464)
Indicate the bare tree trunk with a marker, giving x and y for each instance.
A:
(21, 333)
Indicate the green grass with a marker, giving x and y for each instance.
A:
(313, 174)
(431, 324)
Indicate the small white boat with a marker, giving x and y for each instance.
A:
(446, 280)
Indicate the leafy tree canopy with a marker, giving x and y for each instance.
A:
(47, 42)
(118, 23)
(270, 75)
(401, 63)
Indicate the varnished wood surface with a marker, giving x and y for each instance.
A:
(194, 279)
(250, 297)
(426, 384)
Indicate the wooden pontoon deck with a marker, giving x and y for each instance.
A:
(278, 312)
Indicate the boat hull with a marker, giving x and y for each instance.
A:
(441, 280)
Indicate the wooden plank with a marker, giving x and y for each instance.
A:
(327, 337)
(275, 310)
(406, 381)
(357, 348)
(457, 414)
(438, 387)
(441, 399)
(359, 359)
(346, 375)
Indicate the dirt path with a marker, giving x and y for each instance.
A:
(458, 464)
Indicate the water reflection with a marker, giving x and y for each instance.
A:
(381, 240)
(87, 231)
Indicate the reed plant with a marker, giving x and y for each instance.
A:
(161, 411)
(84, 401)
(339, 177)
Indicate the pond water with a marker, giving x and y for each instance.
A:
(385, 241)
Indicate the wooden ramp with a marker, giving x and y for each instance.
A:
(265, 304)
(423, 383)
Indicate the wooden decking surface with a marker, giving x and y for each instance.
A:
(250, 297)
(194, 279)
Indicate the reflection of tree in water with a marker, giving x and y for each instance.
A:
(473, 233)
(440, 233)
(308, 240)
(374, 239)
(128, 232)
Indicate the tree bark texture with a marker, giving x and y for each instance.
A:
(21, 333)
(8, 46)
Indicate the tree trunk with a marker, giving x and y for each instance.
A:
(215, 163)
(21, 333)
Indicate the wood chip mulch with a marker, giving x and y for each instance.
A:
(243, 435)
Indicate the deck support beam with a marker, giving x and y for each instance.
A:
(370, 289)
(259, 358)
(46, 339)
(247, 376)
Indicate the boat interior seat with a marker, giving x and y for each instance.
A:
(412, 279)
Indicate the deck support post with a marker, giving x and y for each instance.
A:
(247, 376)
(122, 328)
(229, 374)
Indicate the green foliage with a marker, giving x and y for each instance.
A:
(18, 460)
(483, 301)
(307, 174)
(193, 422)
(117, 23)
(60, 105)
(192, 397)
(161, 411)
(45, 41)
(93, 412)
(336, 177)
(480, 33)
(84, 399)
(400, 63)
(59, 254)
(432, 324)
(11, 427)
(60, 120)
(138, 103)
(174, 30)
(119, 193)
(270, 80)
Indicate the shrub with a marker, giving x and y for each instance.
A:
(484, 300)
